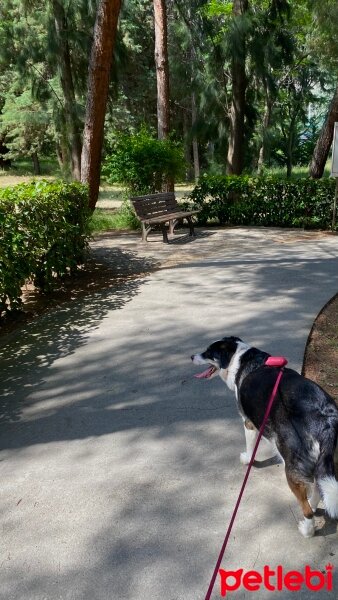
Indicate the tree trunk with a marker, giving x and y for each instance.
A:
(194, 139)
(162, 69)
(187, 145)
(36, 164)
(98, 84)
(239, 84)
(291, 143)
(266, 124)
(322, 148)
(67, 84)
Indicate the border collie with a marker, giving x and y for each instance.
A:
(302, 426)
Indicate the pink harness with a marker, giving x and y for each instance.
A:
(272, 361)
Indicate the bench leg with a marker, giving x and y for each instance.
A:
(145, 232)
(172, 225)
(164, 232)
(191, 226)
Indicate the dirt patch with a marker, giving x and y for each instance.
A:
(321, 355)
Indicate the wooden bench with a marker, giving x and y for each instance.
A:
(159, 209)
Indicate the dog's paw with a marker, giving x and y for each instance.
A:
(244, 458)
(306, 527)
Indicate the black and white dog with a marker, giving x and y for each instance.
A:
(302, 426)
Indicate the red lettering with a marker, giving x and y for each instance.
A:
(310, 575)
(279, 578)
(252, 581)
(329, 577)
(267, 573)
(225, 586)
(293, 581)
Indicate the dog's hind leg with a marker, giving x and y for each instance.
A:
(306, 526)
(315, 497)
(265, 450)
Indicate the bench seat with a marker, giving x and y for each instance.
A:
(159, 209)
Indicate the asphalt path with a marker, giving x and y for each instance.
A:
(119, 470)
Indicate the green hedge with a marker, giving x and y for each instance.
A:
(268, 201)
(43, 235)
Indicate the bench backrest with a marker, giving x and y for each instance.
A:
(155, 205)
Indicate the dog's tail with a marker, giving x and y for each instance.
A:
(325, 476)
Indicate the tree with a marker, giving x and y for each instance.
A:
(291, 112)
(98, 85)
(67, 85)
(230, 62)
(239, 85)
(25, 126)
(162, 69)
(326, 43)
(272, 49)
(250, 38)
(323, 145)
(45, 46)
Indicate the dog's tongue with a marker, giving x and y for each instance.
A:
(205, 374)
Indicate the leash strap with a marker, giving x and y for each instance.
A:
(272, 361)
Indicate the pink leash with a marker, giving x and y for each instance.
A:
(272, 361)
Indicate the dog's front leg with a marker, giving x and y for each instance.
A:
(266, 449)
(250, 440)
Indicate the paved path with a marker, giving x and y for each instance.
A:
(118, 469)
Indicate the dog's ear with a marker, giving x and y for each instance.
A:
(224, 358)
(227, 349)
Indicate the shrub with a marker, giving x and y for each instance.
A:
(268, 201)
(43, 234)
(143, 163)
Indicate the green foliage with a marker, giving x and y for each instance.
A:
(291, 58)
(325, 43)
(24, 125)
(43, 235)
(143, 163)
(30, 48)
(268, 201)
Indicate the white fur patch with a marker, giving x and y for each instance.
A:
(229, 375)
(245, 458)
(315, 497)
(315, 450)
(307, 527)
(198, 359)
(329, 489)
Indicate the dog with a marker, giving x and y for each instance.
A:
(302, 426)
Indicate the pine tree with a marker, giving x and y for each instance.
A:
(323, 145)
(162, 68)
(98, 85)
(239, 85)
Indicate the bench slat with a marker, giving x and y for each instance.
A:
(169, 216)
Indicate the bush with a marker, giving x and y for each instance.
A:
(143, 163)
(268, 201)
(43, 235)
